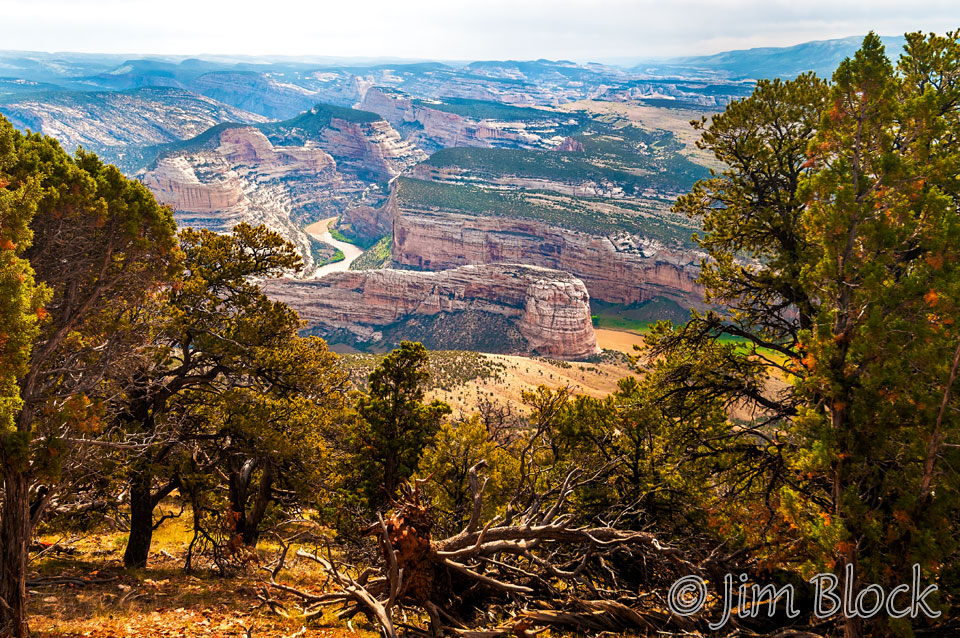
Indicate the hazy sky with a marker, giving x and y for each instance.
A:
(454, 29)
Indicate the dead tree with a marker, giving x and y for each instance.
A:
(498, 578)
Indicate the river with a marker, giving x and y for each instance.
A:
(321, 230)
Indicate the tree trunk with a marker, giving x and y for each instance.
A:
(389, 479)
(14, 540)
(251, 531)
(141, 520)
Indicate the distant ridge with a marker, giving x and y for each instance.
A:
(820, 56)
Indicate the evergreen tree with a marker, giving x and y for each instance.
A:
(833, 237)
(101, 250)
(396, 425)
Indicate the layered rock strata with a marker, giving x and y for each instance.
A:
(372, 150)
(433, 129)
(621, 269)
(240, 176)
(509, 309)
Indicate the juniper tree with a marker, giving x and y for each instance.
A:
(833, 235)
(101, 250)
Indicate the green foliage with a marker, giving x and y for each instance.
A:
(832, 236)
(457, 447)
(395, 424)
(230, 380)
(336, 234)
(337, 256)
(568, 168)
(21, 299)
(377, 256)
(85, 251)
(121, 248)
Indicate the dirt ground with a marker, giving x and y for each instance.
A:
(160, 600)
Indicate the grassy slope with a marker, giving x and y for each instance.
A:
(484, 110)
(464, 379)
(377, 256)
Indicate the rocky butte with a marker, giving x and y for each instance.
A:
(508, 309)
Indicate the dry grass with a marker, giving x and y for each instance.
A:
(516, 374)
(160, 600)
(619, 340)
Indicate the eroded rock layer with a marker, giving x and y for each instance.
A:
(434, 128)
(507, 308)
(239, 176)
(622, 269)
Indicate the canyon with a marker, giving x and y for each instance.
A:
(284, 174)
(498, 217)
(509, 309)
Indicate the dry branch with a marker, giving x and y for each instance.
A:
(538, 570)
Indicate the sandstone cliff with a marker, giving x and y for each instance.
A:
(238, 175)
(374, 150)
(370, 216)
(570, 145)
(620, 268)
(495, 308)
(365, 146)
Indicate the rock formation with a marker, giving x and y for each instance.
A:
(371, 215)
(622, 269)
(570, 145)
(373, 150)
(433, 128)
(494, 308)
(238, 175)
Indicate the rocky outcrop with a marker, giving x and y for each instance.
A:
(570, 145)
(238, 175)
(373, 150)
(494, 308)
(621, 269)
(174, 182)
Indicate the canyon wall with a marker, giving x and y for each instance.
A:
(239, 176)
(373, 150)
(622, 269)
(508, 309)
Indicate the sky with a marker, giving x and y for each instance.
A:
(579, 30)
